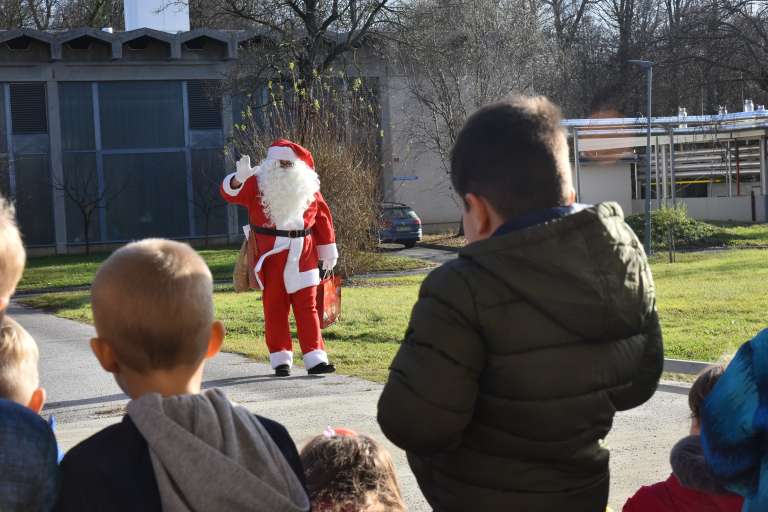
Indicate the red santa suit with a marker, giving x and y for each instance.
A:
(287, 268)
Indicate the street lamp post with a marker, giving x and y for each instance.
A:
(647, 66)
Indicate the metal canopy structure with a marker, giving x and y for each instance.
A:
(722, 148)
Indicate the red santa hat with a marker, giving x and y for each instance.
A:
(283, 149)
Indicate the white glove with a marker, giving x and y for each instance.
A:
(328, 265)
(244, 169)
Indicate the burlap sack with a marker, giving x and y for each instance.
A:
(240, 274)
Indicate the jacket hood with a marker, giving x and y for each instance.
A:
(583, 271)
(211, 455)
(690, 466)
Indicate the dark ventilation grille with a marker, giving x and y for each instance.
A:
(140, 43)
(81, 43)
(204, 105)
(20, 43)
(28, 109)
(196, 44)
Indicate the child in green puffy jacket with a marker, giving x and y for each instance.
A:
(520, 351)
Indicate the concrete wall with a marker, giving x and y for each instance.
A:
(761, 208)
(414, 175)
(719, 208)
(606, 181)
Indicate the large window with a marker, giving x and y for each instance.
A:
(127, 157)
(210, 211)
(141, 115)
(29, 177)
(81, 190)
(76, 101)
(34, 201)
(150, 195)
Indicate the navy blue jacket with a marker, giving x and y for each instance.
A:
(112, 470)
(28, 460)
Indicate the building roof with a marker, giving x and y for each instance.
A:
(602, 134)
(55, 40)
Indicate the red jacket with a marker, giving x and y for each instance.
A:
(671, 496)
(304, 253)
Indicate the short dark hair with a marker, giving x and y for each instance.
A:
(514, 153)
(704, 383)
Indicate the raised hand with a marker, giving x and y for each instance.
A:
(243, 169)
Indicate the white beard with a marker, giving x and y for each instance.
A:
(287, 193)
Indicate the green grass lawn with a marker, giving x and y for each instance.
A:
(726, 234)
(709, 304)
(742, 235)
(78, 270)
(375, 314)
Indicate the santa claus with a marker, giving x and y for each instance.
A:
(295, 238)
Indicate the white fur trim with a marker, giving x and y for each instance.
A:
(314, 358)
(293, 278)
(296, 280)
(281, 153)
(228, 187)
(328, 252)
(282, 357)
(281, 244)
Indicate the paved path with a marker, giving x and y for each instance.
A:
(85, 399)
(432, 255)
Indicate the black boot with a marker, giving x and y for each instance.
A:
(282, 370)
(321, 368)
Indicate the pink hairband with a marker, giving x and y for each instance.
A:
(330, 432)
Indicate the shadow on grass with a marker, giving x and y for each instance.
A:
(61, 260)
(52, 303)
(362, 337)
(707, 269)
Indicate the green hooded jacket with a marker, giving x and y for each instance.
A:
(515, 360)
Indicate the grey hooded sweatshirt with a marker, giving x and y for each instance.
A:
(209, 454)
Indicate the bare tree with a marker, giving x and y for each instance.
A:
(91, 13)
(13, 13)
(206, 197)
(60, 14)
(565, 18)
(314, 34)
(731, 35)
(458, 56)
(455, 56)
(82, 189)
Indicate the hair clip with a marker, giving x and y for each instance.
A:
(330, 432)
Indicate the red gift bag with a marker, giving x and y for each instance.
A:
(329, 301)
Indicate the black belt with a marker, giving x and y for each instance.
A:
(294, 233)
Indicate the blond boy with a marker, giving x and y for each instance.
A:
(19, 379)
(177, 447)
(28, 451)
(12, 255)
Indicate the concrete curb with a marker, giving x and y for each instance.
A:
(438, 247)
(685, 366)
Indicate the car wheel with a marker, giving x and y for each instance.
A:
(410, 244)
